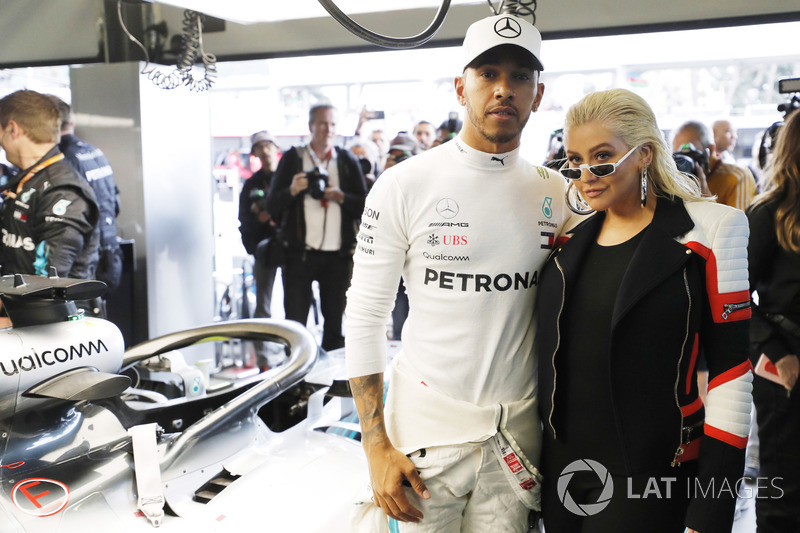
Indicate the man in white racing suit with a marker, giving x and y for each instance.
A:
(468, 224)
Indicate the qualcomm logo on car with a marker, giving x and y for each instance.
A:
(585, 509)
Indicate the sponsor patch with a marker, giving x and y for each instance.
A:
(547, 207)
(27, 363)
(26, 196)
(60, 207)
(548, 240)
(447, 208)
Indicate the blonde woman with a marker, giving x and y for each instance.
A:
(655, 275)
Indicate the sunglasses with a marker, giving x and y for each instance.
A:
(601, 171)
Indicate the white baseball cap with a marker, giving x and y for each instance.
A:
(498, 30)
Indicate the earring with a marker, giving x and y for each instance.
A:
(644, 187)
(580, 207)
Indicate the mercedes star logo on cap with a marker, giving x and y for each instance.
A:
(507, 27)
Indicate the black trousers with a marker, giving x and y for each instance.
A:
(332, 271)
(778, 499)
(264, 276)
(584, 503)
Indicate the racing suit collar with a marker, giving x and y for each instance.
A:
(12, 184)
(485, 160)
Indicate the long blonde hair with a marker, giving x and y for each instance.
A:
(783, 184)
(631, 119)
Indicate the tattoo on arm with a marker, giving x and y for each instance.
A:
(368, 395)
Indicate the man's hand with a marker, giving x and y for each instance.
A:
(702, 180)
(788, 370)
(334, 194)
(299, 183)
(388, 467)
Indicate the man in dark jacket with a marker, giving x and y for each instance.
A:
(91, 164)
(318, 192)
(49, 213)
(256, 224)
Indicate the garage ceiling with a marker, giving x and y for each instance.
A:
(40, 32)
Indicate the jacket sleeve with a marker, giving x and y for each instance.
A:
(279, 198)
(63, 224)
(355, 189)
(246, 222)
(725, 339)
(765, 337)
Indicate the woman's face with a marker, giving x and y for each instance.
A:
(594, 144)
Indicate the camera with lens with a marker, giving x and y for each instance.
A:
(366, 165)
(688, 156)
(770, 136)
(258, 200)
(317, 182)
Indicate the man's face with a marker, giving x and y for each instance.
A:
(323, 127)
(425, 134)
(687, 136)
(267, 153)
(499, 95)
(724, 136)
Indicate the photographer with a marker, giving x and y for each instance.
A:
(318, 192)
(401, 148)
(732, 184)
(256, 224)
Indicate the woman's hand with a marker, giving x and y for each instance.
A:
(788, 370)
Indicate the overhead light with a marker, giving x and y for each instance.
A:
(249, 12)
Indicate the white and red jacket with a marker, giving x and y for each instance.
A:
(685, 291)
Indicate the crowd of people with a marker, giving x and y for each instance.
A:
(309, 231)
(605, 319)
(634, 312)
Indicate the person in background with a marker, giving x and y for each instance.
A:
(91, 163)
(400, 148)
(448, 129)
(368, 157)
(49, 213)
(732, 184)
(555, 150)
(725, 137)
(256, 224)
(318, 192)
(624, 305)
(774, 265)
(425, 134)
(467, 225)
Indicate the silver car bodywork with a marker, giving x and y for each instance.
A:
(208, 463)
